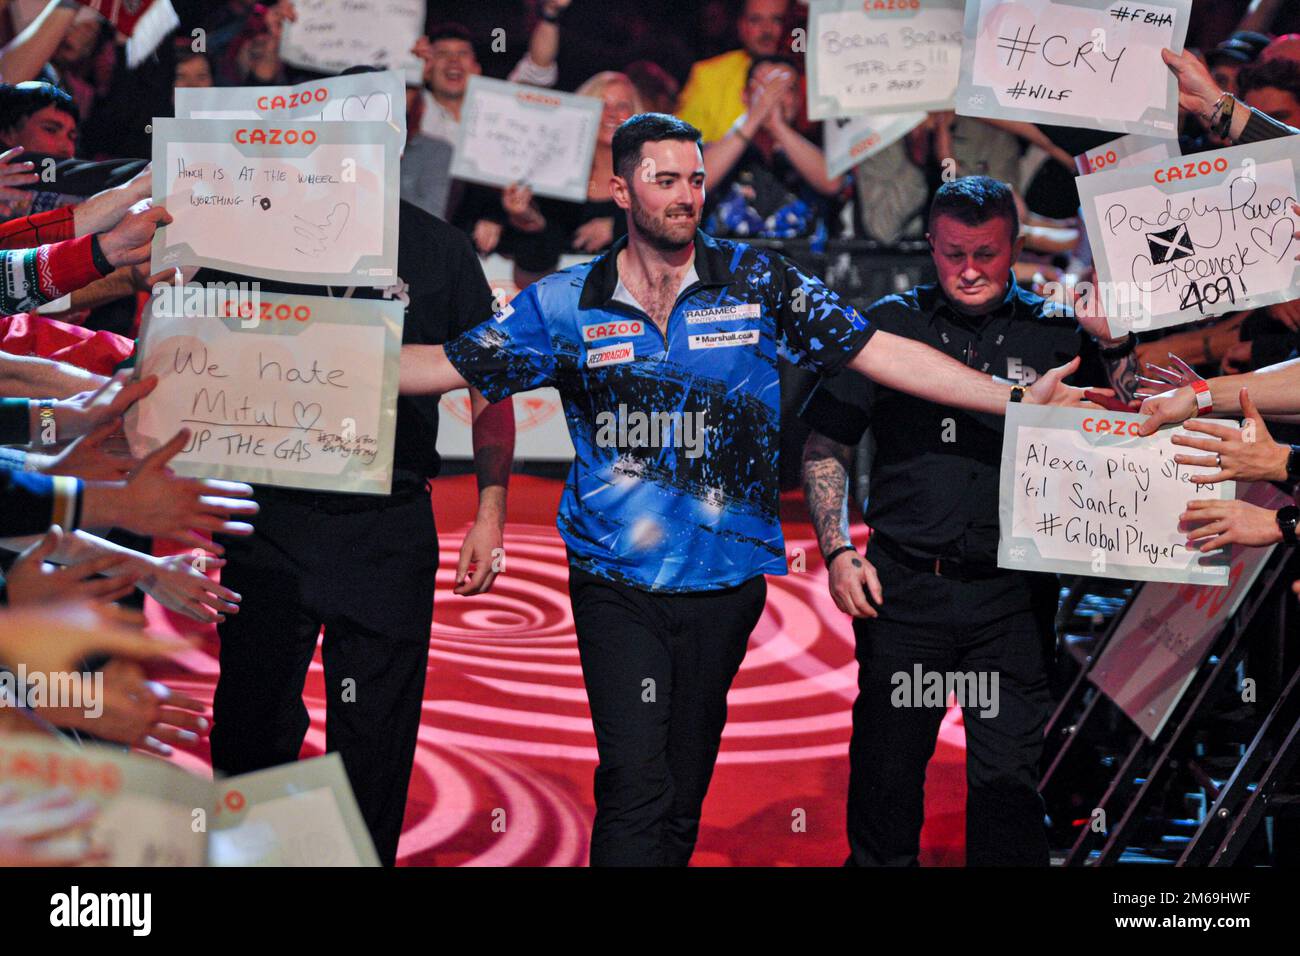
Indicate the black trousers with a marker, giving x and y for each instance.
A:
(995, 625)
(367, 577)
(657, 669)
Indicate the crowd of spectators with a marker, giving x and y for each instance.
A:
(76, 249)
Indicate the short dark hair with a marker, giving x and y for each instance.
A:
(777, 58)
(644, 128)
(974, 200)
(21, 100)
(1279, 74)
(450, 31)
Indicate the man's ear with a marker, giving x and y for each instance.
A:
(620, 192)
(1017, 247)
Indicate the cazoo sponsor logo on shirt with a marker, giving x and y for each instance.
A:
(609, 330)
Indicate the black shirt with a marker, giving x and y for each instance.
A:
(935, 478)
(448, 294)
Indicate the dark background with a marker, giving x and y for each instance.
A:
(608, 34)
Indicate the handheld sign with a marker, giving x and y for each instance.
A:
(1168, 629)
(145, 805)
(882, 56)
(153, 813)
(299, 814)
(1197, 236)
(512, 133)
(330, 36)
(850, 140)
(1125, 152)
(1083, 494)
(311, 203)
(288, 390)
(1084, 63)
(356, 98)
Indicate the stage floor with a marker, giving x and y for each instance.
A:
(506, 734)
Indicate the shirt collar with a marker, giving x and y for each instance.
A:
(624, 295)
(712, 267)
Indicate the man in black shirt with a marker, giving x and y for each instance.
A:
(361, 566)
(931, 602)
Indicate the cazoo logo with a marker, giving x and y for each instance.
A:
(1106, 426)
(608, 330)
(293, 100)
(1169, 174)
(275, 137)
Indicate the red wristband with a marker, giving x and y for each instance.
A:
(1204, 398)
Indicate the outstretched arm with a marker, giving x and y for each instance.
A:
(24, 376)
(104, 210)
(426, 371)
(24, 55)
(908, 366)
(1275, 390)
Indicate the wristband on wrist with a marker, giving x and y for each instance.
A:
(837, 552)
(1287, 518)
(1204, 400)
(97, 256)
(49, 431)
(550, 15)
(1219, 104)
(1224, 125)
(1293, 464)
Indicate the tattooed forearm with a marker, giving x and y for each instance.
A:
(826, 489)
(1123, 373)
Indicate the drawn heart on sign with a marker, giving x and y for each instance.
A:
(1288, 233)
(301, 410)
(372, 108)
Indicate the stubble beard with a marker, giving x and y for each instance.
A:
(660, 232)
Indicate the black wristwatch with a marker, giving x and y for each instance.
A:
(1293, 464)
(1018, 393)
(1287, 519)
